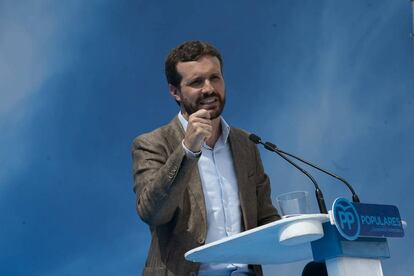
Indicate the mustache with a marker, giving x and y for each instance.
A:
(208, 96)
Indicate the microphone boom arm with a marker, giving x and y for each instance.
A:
(318, 192)
(355, 197)
(269, 146)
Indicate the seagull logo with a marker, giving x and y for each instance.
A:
(346, 219)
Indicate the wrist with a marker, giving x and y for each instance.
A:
(190, 153)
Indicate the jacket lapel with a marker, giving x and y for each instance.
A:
(246, 191)
(195, 188)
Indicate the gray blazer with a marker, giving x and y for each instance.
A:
(169, 195)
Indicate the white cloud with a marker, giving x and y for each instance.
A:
(25, 45)
(30, 54)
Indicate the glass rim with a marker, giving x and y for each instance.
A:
(285, 196)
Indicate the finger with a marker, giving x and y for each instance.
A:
(202, 126)
(203, 134)
(201, 113)
(195, 120)
(200, 130)
(194, 137)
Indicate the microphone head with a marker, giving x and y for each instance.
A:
(271, 146)
(254, 138)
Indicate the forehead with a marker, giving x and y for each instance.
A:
(204, 65)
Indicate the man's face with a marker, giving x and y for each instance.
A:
(202, 86)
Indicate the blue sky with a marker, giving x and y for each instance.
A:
(332, 81)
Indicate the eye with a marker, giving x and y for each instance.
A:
(196, 82)
(215, 77)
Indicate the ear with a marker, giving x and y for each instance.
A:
(174, 91)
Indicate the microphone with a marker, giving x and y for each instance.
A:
(355, 197)
(269, 146)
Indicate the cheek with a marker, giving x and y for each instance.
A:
(221, 85)
(190, 95)
(220, 89)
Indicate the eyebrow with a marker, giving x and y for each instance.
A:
(197, 75)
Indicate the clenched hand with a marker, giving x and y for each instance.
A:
(199, 129)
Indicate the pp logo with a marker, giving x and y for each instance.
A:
(346, 219)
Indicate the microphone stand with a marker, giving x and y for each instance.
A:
(319, 196)
(355, 197)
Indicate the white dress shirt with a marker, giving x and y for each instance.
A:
(221, 195)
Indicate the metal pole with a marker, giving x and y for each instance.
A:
(412, 27)
(412, 15)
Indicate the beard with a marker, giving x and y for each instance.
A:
(191, 107)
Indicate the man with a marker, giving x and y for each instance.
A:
(197, 179)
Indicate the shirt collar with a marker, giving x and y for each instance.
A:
(225, 128)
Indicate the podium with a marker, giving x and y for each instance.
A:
(315, 237)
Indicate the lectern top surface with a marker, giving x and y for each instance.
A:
(260, 245)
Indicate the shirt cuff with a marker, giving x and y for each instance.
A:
(190, 154)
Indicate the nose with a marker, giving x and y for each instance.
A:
(207, 87)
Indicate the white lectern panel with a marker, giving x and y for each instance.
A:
(283, 241)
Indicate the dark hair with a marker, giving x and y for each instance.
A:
(188, 51)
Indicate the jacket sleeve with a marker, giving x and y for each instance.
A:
(159, 178)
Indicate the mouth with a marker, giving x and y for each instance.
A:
(208, 101)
